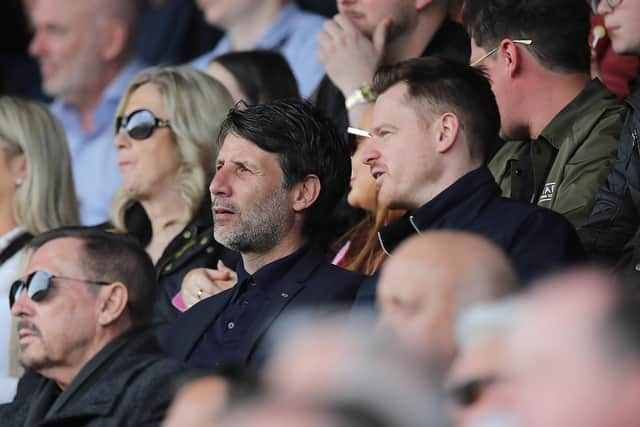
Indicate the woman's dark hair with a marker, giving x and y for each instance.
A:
(262, 75)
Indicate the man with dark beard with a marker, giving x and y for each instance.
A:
(281, 169)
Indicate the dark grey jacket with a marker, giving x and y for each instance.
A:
(128, 383)
(614, 221)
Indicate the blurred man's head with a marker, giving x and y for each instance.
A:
(475, 382)
(429, 280)
(433, 121)
(81, 44)
(622, 25)
(82, 288)
(575, 353)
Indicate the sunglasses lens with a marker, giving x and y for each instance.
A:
(16, 290)
(39, 285)
(140, 125)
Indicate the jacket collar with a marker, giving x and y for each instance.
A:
(578, 116)
(442, 207)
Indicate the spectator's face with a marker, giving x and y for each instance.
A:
(402, 153)
(67, 46)
(560, 373)
(252, 211)
(56, 333)
(367, 14)
(504, 96)
(622, 26)
(363, 191)
(149, 167)
(418, 307)
(225, 13)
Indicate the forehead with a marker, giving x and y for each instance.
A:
(147, 96)
(59, 256)
(237, 149)
(68, 12)
(392, 107)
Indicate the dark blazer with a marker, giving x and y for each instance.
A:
(133, 386)
(536, 239)
(312, 283)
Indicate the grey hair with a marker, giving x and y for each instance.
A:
(196, 105)
(46, 199)
(482, 321)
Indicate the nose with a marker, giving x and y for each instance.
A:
(220, 183)
(38, 44)
(370, 153)
(121, 140)
(22, 306)
(603, 8)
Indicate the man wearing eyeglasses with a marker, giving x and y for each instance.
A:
(81, 310)
(561, 127)
(612, 231)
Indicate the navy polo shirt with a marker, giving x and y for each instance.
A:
(222, 343)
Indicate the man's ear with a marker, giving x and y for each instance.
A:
(115, 36)
(446, 128)
(305, 192)
(509, 57)
(112, 301)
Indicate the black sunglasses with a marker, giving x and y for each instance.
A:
(140, 124)
(37, 286)
(468, 393)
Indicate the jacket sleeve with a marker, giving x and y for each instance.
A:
(544, 242)
(614, 218)
(587, 168)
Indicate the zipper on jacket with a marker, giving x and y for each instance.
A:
(635, 139)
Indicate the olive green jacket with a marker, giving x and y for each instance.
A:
(571, 158)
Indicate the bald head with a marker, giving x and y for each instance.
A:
(430, 278)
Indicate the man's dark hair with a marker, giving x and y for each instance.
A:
(438, 86)
(113, 257)
(558, 29)
(306, 142)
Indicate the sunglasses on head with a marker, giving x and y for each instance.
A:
(140, 124)
(37, 285)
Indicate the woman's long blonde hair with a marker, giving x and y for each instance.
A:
(196, 104)
(46, 198)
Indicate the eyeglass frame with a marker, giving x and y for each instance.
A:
(20, 285)
(121, 123)
(611, 3)
(525, 42)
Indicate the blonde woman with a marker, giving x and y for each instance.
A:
(36, 194)
(166, 129)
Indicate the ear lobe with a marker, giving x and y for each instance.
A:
(306, 193)
(18, 168)
(447, 128)
(112, 303)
